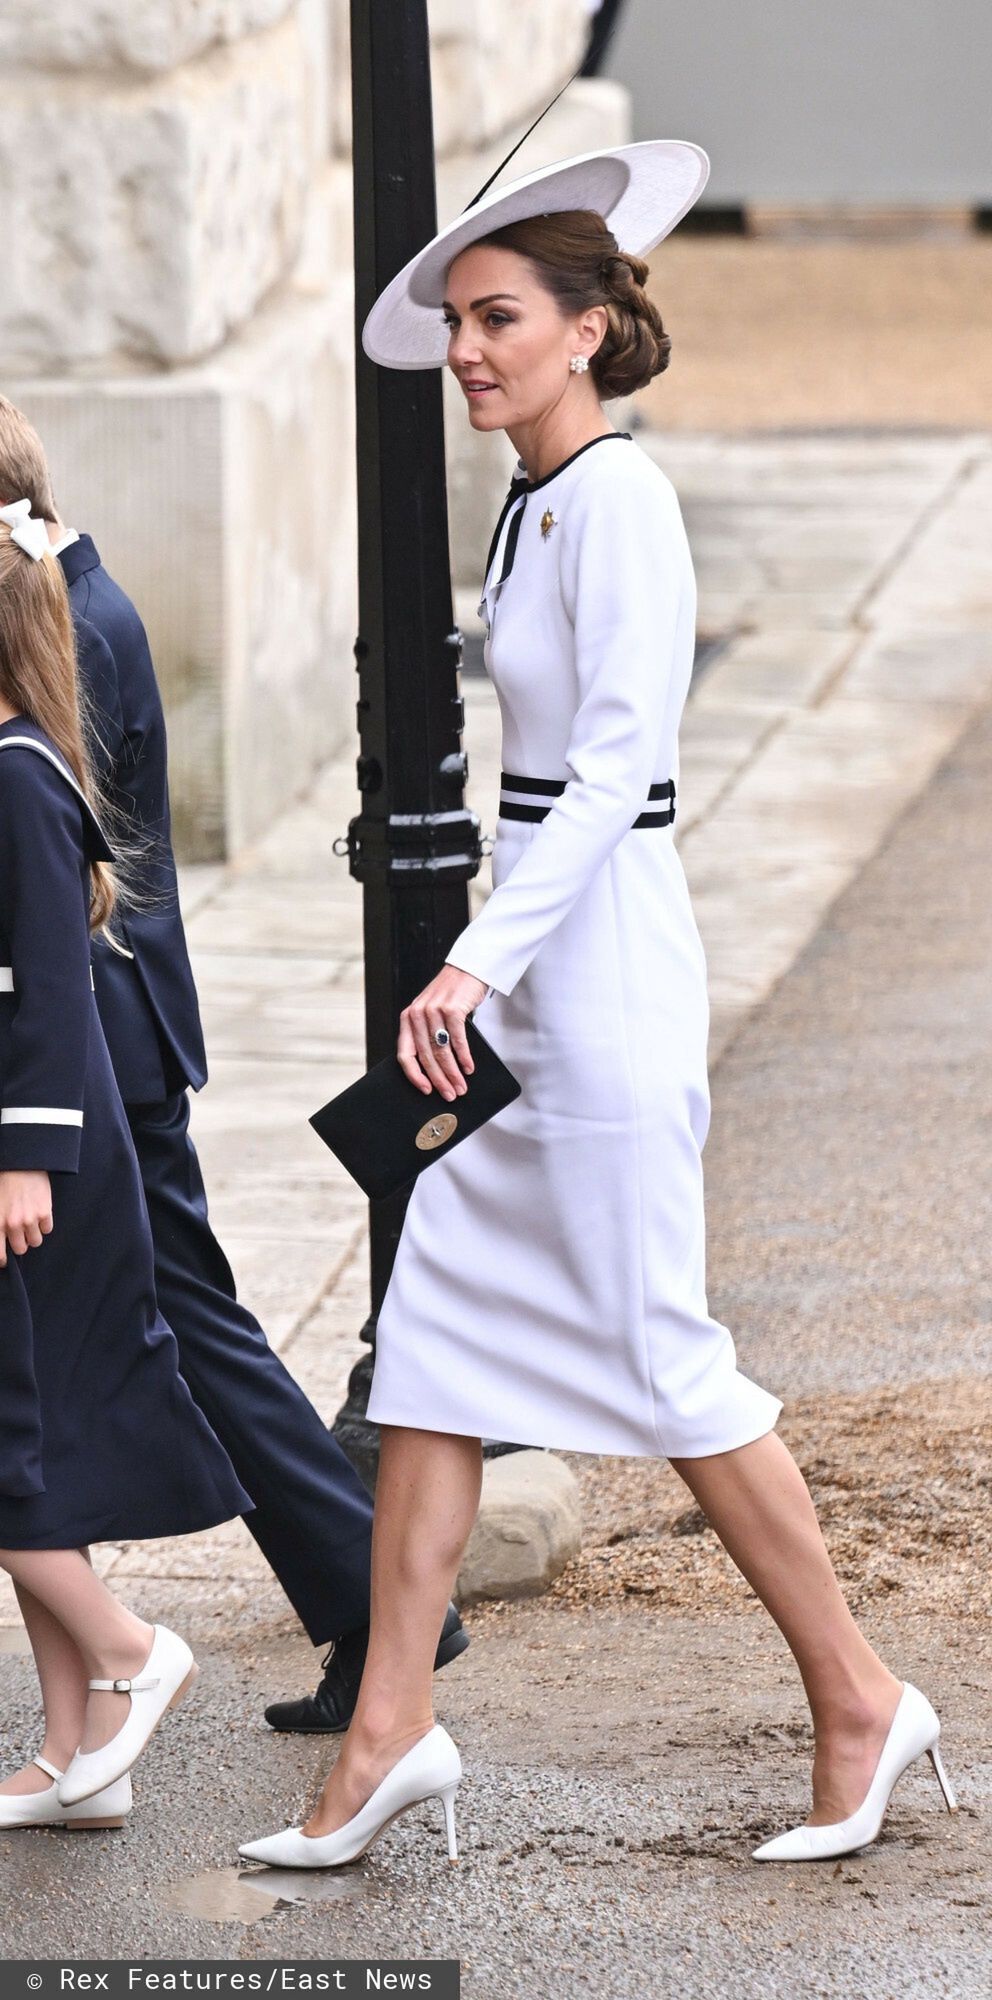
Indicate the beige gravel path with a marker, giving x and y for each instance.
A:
(795, 335)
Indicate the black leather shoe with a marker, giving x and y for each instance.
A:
(330, 1708)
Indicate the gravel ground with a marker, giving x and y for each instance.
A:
(789, 335)
(620, 1766)
(901, 1479)
(630, 1737)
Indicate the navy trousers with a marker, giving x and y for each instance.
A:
(312, 1517)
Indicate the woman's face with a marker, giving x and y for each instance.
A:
(506, 332)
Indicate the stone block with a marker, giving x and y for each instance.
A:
(528, 1527)
(222, 496)
(151, 219)
(340, 84)
(494, 65)
(136, 34)
(316, 34)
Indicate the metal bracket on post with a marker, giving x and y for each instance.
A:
(415, 846)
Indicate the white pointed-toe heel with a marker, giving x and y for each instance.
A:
(168, 1672)
(914, 1729)
(431, 1769)
(108, 1808)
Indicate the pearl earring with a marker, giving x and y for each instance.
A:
(578, 364)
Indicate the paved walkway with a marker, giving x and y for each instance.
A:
(845, 611)
(631, 1735)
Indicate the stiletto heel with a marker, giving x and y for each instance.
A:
(447, 1798)
(430, 1770)
(914, 1728)
(942, 1778)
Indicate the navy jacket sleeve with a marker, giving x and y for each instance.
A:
(101, 691)
(44, 918)
(147, 1000)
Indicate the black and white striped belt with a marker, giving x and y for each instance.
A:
(532, 789)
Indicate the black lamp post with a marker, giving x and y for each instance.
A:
(413, 846)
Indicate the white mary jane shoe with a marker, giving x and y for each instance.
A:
(431, 1769)
(108, 1808)
(167, 1673)
(914, 1729)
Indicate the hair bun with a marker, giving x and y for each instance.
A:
(615, 271)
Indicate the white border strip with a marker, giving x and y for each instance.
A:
(39, 1114)
(42, 750)
(7, 976)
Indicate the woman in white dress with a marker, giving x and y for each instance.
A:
(549, 1284)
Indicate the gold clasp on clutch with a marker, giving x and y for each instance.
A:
(436, 1131)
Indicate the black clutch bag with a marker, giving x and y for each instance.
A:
(386, 1131)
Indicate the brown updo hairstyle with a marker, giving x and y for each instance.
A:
(578, 260)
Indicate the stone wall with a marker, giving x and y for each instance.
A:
(176, 317)
(158, 205)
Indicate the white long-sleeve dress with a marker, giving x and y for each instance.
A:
(549, 1283)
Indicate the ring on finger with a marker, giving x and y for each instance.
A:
(441, 1038)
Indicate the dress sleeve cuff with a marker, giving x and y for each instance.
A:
(468, 961)
(40, 1139)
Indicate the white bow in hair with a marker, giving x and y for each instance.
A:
(30, 535)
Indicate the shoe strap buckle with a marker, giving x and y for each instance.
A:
(125, 1686)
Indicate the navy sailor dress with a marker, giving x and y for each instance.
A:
(100, 1439)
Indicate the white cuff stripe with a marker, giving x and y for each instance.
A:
(7, 971)
(39, 1114)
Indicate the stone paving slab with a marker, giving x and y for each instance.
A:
(848, 582)
(773, 670)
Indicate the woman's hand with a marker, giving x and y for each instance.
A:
(25, 1212)
(443, 1004)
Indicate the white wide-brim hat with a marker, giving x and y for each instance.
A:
(641, 190)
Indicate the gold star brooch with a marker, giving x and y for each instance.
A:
(547, 522)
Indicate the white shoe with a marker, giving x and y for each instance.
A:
(167, 1673)
(108, 1808)
(913, 1730)
(432, 1769)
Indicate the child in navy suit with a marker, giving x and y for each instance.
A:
(100, 1439)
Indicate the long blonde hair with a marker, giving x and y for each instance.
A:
(38, 677)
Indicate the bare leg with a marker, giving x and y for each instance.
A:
(760, 1505)
(427, 1497)
(112, 1643)
(63, 1676)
